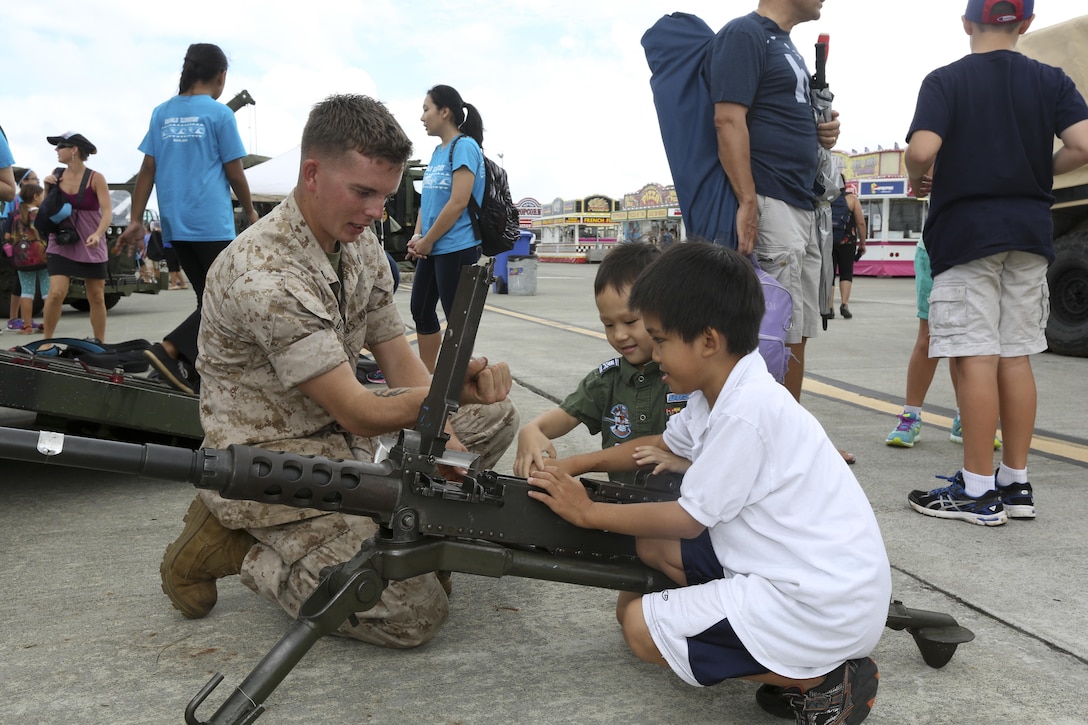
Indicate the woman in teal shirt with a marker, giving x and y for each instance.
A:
(444, 240)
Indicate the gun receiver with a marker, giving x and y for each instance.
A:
(485, 524)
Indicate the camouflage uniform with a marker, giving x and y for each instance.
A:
(622, 403)
(272, 320)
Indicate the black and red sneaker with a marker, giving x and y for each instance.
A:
(845, 698)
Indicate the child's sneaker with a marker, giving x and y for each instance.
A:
(957, 433)
(1017, 500)
(908, 431)
(845, 698)
(952, 502)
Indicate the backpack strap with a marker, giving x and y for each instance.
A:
(72, 346)
(87, 173)
(473, 208)
(453, 145)
(58, 173)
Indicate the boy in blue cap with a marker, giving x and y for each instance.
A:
(984, 131)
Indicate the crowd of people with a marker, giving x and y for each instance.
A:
(780, 572)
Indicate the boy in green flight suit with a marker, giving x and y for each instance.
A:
(622, 399)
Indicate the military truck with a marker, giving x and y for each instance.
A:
(1067, 332)
(399, 221)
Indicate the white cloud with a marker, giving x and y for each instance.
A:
(562, 86)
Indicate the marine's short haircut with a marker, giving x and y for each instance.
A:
(622, 266)
(350, 122)
(699, 286)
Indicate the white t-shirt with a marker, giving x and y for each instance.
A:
(807, 581)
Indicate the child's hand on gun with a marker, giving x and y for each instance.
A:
(662, 460)
(563, 494)
(534, 448)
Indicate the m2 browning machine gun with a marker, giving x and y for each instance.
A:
(485, 524)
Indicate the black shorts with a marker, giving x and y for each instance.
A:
(59, 265)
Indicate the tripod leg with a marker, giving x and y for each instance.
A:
(348, 588)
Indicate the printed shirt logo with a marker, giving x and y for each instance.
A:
(619, 420)
(674, 403)
(608, 365)
(181, 129)
(437, 176)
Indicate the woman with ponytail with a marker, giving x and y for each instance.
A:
(444, 240)
(193, 155)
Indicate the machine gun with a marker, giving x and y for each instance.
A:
(485, 524)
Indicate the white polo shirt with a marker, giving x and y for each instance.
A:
(807, 581)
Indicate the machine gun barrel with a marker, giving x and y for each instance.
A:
(158, 461)
(238, 472)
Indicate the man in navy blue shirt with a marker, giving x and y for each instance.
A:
(984, 133)
(767, 143)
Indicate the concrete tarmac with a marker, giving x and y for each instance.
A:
(87, 636)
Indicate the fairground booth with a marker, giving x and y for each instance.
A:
(576, 230)
(651, 214)
(893, 216)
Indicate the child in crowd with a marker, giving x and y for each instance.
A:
(984, 130)
(625, 397)
(921, 367)
(781, 571)
(30, 264)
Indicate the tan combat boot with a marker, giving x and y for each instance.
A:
(205, 551)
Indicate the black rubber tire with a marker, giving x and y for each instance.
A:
(84, 306)
(1067, 329)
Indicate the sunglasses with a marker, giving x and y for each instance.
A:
(66, 146)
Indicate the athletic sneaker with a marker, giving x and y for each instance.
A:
(1017, 500)
(957, 433)
(774, 702)
(845, 698)
(907, 432)
(376, 376)
(952, 502)
(177, 373)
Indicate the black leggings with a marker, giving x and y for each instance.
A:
(196, 259)
(435, 280)
(844, 260)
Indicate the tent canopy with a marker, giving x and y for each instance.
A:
(274, 179)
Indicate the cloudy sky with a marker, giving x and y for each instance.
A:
(562, 85)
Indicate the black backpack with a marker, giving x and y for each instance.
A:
(495, 222)
(53, 203)
(128, 355)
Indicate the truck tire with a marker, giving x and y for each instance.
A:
(84, 306)
(1067, 329)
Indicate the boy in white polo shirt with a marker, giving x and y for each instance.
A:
(781, 571)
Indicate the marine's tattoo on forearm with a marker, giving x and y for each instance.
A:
(391, 392)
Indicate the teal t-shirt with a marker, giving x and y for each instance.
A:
(190, 138)
(437, 186)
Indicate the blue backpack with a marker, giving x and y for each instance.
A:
(676, 47)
